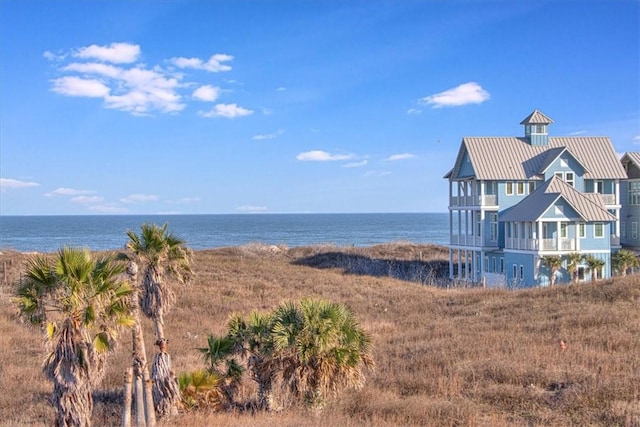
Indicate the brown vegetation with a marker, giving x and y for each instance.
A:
(443, 357)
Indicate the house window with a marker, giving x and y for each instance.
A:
(532, 186)
(623, 230)
(493, 262)
(569, 178)
(515, 230)
(559, 175)
(634, 192)
(522, 272)
(634, 230)
(520, 187)
(493, 226)
(515, 271)
(509, 189)
(563, 230)
(486, 263)
(582, 232)
(502, 265)
(598, 187)
(540, 129)
(563, 163)
(598, 230)
(478, 224)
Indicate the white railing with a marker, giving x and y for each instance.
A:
(608, 199)
(462, 239)
(486, 200)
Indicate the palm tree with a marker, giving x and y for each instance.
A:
(322, 348)
(162, 256)
(554, 263)
(80, 301)
(594, 265)
(623, 260)
(573, 261)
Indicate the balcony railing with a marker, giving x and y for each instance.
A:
(608, 199)
(485, 200)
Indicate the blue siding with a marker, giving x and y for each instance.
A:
(466, 169)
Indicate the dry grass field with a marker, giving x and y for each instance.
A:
(444, 357)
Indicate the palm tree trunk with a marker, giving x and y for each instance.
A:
(128, 390)
(145, 415)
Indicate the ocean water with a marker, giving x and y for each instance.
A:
(100, 232)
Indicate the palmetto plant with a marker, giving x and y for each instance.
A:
(81, 302)
(554, 263)
(311, 350)
(162, 258)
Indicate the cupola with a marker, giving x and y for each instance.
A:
(536, 128)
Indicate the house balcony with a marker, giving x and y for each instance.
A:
(542, 244)
(554, 244)
(464, 240)
(485, 200)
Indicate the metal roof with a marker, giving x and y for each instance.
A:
(512, 158)
(536, 118)
(589, 206)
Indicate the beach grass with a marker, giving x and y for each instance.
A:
(444, 357)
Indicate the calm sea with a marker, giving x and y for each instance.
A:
(98, 232)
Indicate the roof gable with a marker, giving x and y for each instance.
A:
(554, 154)
(536, 118)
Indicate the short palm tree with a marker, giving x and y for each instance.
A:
(623, 260)
(553, 263)
(311, 350)
(81, 302)
(573, 261)
(594, 265)
(322, 348)
(162, 257)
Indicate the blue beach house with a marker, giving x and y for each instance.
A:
(630, 196)
(515, 200)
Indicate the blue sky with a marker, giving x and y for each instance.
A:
(228, 106)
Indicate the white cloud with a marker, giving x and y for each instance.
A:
(402, 156)
(250, 208)
(413, 111)
(356, 164)
(139, 198)
(6, 183)
(136, 90)
(262, 137)
(322, 156)
(578, 132)
(85, 200)
(229, 111)
(466, 93)
(636, 139)
(117, 53)
(213, 65)
(62, 191)
(281, 89)
(76, 86)
(206, 93)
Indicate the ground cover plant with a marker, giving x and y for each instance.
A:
(443, 356)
